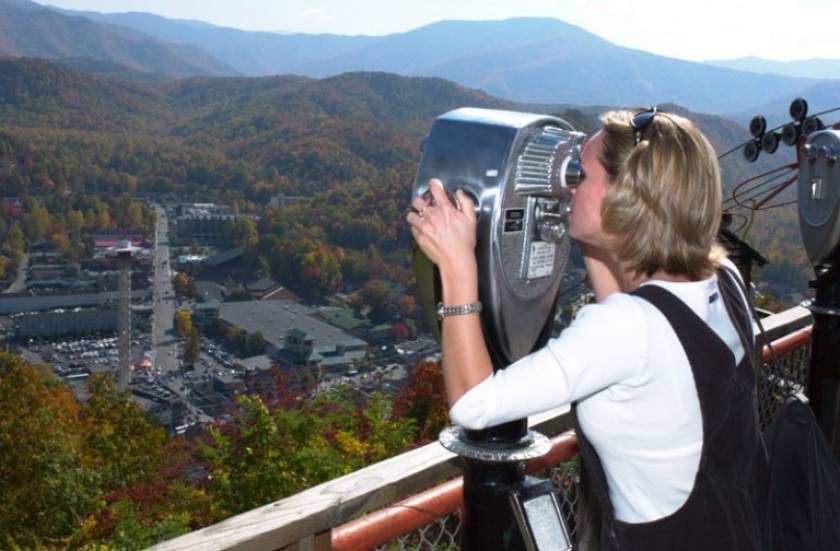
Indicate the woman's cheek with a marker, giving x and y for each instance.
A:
(574, 224)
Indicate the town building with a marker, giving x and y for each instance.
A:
(205, 314)
(295, 336)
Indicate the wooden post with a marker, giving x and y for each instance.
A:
(323, 541)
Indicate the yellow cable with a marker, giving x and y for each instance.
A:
(750, 221)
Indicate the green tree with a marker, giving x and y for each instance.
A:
(242, 231)
(263, 454)
(192, 350)
(103, 220)
(255, 344)
(264, 269)
(46, 486)
(234, 335)
(374, 293)
(36, 222)
(90, 220)
(75, 222)
(120, 440)
(14, 244)
(134, 216)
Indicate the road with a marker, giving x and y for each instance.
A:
(164, 340)
(19, 284)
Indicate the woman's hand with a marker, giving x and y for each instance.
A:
(444, 232)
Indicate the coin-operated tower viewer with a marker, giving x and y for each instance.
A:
(818, 194)
(518, 168)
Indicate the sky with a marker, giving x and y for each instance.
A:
(696, 30)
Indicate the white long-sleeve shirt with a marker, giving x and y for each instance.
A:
(637, 402)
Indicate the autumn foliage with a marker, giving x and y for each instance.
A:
(104, 473)
(424, 400)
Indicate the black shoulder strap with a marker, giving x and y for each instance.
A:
(740, 313)
(686, 324)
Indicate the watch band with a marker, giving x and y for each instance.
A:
(459, 310)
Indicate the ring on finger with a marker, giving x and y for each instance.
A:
(420, 211)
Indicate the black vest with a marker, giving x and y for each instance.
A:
(730, 507)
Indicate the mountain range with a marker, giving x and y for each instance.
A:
(808, 68)
(39, 94)
(533, 60)
(29, 29)
(107, 108)
(244, 139)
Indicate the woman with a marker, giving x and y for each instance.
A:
(660, 367)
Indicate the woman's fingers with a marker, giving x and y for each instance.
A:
(439, 194)
(466, 203)
(414, 219)
(418, 203)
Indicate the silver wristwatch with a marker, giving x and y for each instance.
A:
(444, 311)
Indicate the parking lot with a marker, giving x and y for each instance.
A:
(78, 357)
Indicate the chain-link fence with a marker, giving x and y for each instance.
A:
(786, 373)
(442, 534)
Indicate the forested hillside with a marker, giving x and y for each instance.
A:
(104, 475)
(30, 29)
(349, 142)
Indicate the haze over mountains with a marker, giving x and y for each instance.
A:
(809, 68)
(28, 29)
(535, 60)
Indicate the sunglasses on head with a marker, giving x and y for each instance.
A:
(640, 121)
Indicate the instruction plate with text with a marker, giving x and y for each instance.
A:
(541, 259)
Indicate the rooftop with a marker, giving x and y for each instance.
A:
(343, 318)
(274, 318)
(18, 304)
(262, 285)
(208, 305)
(224, 256)
(260, 363)
(210, 290)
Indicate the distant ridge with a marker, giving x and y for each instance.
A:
(548, 61)
(807, 68)
(379, 117)
(821, 96)
(250, 53)
(532, 60)
(30, 30)
(110, 69)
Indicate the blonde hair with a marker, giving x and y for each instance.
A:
(662, 210)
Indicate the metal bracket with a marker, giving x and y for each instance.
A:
(451, 439)
(817, 309)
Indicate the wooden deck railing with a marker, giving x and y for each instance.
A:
(306, 521)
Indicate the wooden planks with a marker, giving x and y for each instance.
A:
(293, 519)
